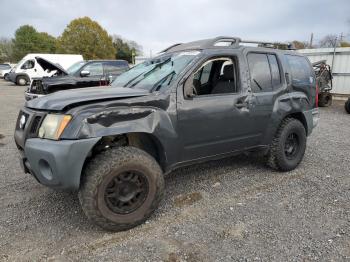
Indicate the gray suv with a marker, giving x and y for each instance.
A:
(192, 103)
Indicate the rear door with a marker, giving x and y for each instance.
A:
(265, 83)
(113, 69)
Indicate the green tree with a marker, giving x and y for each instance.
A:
(344, 44)
(86, 37)
(126, 49)
(28, 40)
(6, 50)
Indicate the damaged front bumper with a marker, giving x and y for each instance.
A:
(56, 164)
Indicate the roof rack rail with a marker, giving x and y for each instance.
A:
(170, 47)
(226, 42)
(277, 45)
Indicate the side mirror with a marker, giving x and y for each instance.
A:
(84, 73)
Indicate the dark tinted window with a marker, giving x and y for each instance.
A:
(116, 67)
(29, 64)
(300, 69)
(275, 71)
(259, 72)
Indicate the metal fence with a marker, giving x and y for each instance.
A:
(339, 60)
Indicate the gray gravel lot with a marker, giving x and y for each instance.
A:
(234, 209)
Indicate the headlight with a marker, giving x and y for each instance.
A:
(53, 126)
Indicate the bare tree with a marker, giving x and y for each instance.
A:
(6, 50)
(329, 41)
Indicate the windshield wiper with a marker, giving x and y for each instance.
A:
(150, 71)
(256, 82)
(159, 84)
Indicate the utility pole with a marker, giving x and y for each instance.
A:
(311, 40)
(341, 37)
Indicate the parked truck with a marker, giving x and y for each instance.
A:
(194, 102)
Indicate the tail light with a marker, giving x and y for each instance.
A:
(316, 98)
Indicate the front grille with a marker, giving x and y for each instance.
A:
(35, 125)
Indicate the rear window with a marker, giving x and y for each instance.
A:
(300, 69)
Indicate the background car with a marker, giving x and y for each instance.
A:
(5, 70)
(81, 74)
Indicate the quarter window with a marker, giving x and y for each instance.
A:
(300, 69)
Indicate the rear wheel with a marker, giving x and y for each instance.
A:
(325, 99)
(22, 80)
(347, 106)
(288, 146)
(121, 188)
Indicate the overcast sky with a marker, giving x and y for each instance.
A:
(155, 24)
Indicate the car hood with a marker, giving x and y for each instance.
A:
(47, 65)
(60, 100)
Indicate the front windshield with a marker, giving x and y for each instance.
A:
(156, 73)
(75, 67)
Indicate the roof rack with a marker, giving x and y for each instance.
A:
(225, 42)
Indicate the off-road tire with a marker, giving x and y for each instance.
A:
(325, 99)
(277, 158)
(347, 106)
(22, 80)
(106, 165)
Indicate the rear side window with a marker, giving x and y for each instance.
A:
(300, 69)
(275, 71)
(116, 67)
(259, 72)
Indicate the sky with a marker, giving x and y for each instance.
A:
(156, 24)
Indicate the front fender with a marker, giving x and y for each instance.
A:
(124, 120)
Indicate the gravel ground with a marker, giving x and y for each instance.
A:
(233, 209)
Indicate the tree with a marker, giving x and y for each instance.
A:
(6, 50)
(28, 40)
(86, 37)
(126, 49)
(299, 45)
(328, 41)
(344, 44)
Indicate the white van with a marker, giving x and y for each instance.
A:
(29, 68)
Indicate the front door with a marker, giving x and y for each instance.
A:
(215, 118)
(90, 75)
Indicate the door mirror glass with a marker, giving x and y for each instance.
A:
(84, 73)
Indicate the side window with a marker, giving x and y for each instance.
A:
(95, 69)
(300, 69)
(29, 64)
(215, 76)
(275, 71)
(259, 72)
(115, 68)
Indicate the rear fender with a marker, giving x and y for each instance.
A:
(290, 104)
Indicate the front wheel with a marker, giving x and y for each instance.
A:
(121, 188)
(22, 80)
(288, 146)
